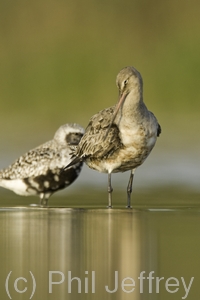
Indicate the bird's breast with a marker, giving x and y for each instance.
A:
(138, 135)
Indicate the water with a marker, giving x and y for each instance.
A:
(106, 250)
(101, 248)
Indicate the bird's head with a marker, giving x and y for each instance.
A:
(128, 80)
(69, 134)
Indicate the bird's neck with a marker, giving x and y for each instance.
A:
(132, 109)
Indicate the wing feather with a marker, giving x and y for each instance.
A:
(93, 143)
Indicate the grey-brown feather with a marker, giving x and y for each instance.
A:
(93, 143)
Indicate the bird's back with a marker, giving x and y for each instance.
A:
(32, 163)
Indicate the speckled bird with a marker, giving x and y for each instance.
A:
(120, 138)
(38, 171)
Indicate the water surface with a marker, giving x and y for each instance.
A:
(101, 248)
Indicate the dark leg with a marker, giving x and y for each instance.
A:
(43, 200)
(129, 189)
(110, 189)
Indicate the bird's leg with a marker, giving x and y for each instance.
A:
(129, 189)
(43, 200)
(110, 189)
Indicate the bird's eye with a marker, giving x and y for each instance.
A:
(125, 82)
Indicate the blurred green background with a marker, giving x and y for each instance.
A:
(59, 60)
(58, 64)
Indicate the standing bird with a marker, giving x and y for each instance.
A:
(38, 171)
(120, 138)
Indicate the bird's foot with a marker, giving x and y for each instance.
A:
(129, 206)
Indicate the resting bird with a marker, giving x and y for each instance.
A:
(120, 138)
(38, 171)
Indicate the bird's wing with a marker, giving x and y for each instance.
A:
(158, 125)
(159, 130)
(97, 142)
(35, 162)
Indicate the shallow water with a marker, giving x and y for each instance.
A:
(101, 248)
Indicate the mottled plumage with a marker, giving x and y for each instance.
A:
(38, 171)
(100, 148)
(120, 138)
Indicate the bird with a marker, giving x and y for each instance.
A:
(120, 138)
(37, 172)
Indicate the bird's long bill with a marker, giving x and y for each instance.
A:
(120, 102)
